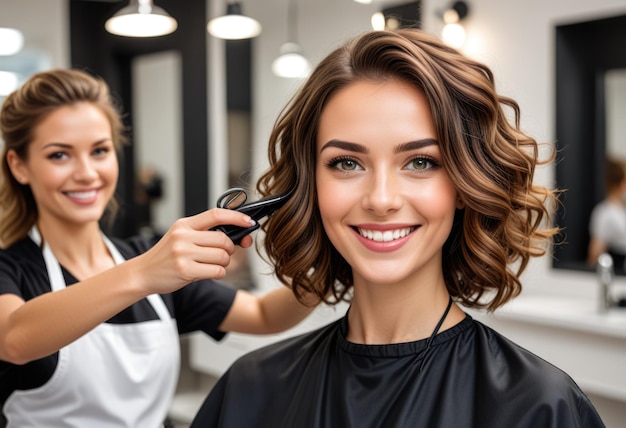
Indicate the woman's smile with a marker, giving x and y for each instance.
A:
(384, 235)
(383, 240)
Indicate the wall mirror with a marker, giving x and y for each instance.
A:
(157, 140)
(590, 111)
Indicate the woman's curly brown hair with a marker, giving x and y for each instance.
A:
(488, 158)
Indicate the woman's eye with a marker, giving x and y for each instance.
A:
(57, 156)
(421, 164)
(344, 164)
(100, 151)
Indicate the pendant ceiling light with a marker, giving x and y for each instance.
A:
(453, 32)
(291, 63)
(11, 41)
(234, 25)
(141, 18)
(9, 82)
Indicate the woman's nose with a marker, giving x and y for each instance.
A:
(85, 170)
(383, 194)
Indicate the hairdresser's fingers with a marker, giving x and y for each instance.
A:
(190, 250)
(218, 216)
(187, 255)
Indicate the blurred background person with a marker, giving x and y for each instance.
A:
(607, 225)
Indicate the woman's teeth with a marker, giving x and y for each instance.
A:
(82, 195)
(385, 236)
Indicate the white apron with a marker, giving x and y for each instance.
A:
(117, 375)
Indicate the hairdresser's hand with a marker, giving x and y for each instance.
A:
(190, 251)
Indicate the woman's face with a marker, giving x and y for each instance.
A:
(385, 200)
(72, 166)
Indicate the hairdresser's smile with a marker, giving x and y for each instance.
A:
(83, 197)
(386, 201)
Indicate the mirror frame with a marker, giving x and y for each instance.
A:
(584, 51)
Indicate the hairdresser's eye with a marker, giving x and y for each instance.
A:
(57, 156)
(422, 163)
(101, 151)
(345, 164)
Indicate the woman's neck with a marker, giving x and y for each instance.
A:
(80, 249)
(397, 313)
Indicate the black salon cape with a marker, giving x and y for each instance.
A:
(472, 377)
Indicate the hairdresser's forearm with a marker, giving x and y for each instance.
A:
(273, 312)
(43, 325)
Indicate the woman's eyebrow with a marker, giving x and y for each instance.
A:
(345, 145)
(404, 147)
(55, 145)
(414, 145)
(65, 146)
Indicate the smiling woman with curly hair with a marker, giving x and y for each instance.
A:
(412, 196)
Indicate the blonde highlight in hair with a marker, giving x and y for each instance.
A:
(487, 156)
(21, 113)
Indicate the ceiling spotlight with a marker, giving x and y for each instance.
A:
(11, 41)
(234, 25)
(453, 32)
(141, 18)
(9, 82)
(291, 63)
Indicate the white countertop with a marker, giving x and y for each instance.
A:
(570, 313)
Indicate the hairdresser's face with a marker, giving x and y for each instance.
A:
(386, 202)
(72, 166)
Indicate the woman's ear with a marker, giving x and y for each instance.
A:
(460, 204)
(17, 167)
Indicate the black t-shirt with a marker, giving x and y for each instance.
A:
(472, 377)
(199, 306)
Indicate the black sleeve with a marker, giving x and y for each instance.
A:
(23, 271)
(202, 306)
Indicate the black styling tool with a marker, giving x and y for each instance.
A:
(235, 198)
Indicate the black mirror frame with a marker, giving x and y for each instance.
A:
(584, 51)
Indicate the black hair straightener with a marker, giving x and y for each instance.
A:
(235, 198)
